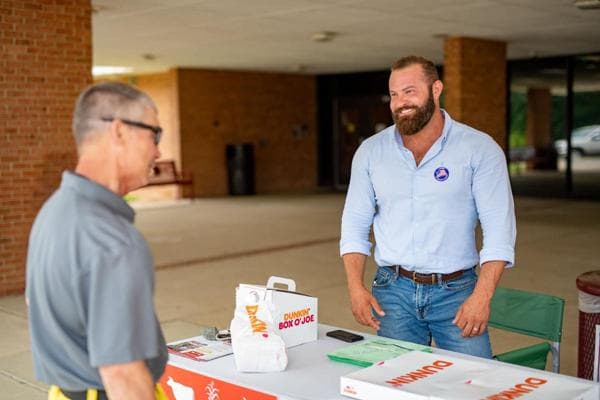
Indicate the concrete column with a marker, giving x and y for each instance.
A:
(45, 61)
(475, 84)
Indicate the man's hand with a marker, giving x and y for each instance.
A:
(473, 315)
(362, 304)
(361, 299)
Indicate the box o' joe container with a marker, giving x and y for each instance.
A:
(295, 316)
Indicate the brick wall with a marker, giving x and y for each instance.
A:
(45, 60)
(475, 84)
(202, 111)
(266, 109)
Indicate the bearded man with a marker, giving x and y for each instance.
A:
(423, 184)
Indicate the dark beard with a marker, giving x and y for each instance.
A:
(414, 123)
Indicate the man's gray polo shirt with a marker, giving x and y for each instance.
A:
(90, 287)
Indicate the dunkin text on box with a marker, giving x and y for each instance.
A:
(296, 318)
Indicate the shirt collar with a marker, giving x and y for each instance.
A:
(448, 122)
(98, 193)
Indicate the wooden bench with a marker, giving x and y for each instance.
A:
(165, 173)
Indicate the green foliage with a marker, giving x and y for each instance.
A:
(587, 109)
(586, 112)
(516, 167)
(516, 139)
(518, 119)
(130, 198)
(557, 126)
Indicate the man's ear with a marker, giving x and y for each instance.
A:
(437, 88)
(116, 132)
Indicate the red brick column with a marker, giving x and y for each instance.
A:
(539, 106)
(45, 60)
(539, 109)
(475, 84)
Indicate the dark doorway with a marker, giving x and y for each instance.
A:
(350, 107)
(357, 119)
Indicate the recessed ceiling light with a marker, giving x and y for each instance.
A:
(323, 36)
(586, 4)
(99, 70)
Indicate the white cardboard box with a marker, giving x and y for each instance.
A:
(296, 314)
(418, 376)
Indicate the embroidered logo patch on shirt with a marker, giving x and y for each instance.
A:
(441, 174)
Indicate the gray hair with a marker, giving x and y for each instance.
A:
(107, 100)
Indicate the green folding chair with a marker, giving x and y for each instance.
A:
(533, 314)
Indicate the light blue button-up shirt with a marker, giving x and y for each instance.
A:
(424, 217)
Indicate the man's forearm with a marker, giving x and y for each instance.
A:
(489, 276)
(354, 263)
(130, 381)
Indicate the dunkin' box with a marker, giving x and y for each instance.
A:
(418, 376)
(294, 314)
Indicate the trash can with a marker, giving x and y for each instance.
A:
(589, 316)
(240, 168)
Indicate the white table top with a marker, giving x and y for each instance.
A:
(310, 375)
(297, 382)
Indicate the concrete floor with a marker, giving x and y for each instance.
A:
(204, 248)
(585, 179)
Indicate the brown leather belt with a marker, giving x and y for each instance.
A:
(426, 279)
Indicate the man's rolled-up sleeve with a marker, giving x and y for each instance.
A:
(359, 207)
(495, 205)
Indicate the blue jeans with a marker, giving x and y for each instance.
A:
(418, 313)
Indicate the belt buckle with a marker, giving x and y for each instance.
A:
(414, 278)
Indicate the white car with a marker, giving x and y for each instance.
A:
(584, 141)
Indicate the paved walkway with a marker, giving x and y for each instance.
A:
(204, 248)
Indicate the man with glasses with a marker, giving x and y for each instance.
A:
(90, 274)
(423, 183)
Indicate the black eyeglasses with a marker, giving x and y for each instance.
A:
(156, 130)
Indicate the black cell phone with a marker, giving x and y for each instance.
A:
(344, 335)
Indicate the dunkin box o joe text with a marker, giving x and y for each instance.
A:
(295, 318)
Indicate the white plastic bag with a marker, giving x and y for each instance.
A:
(256, 345)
